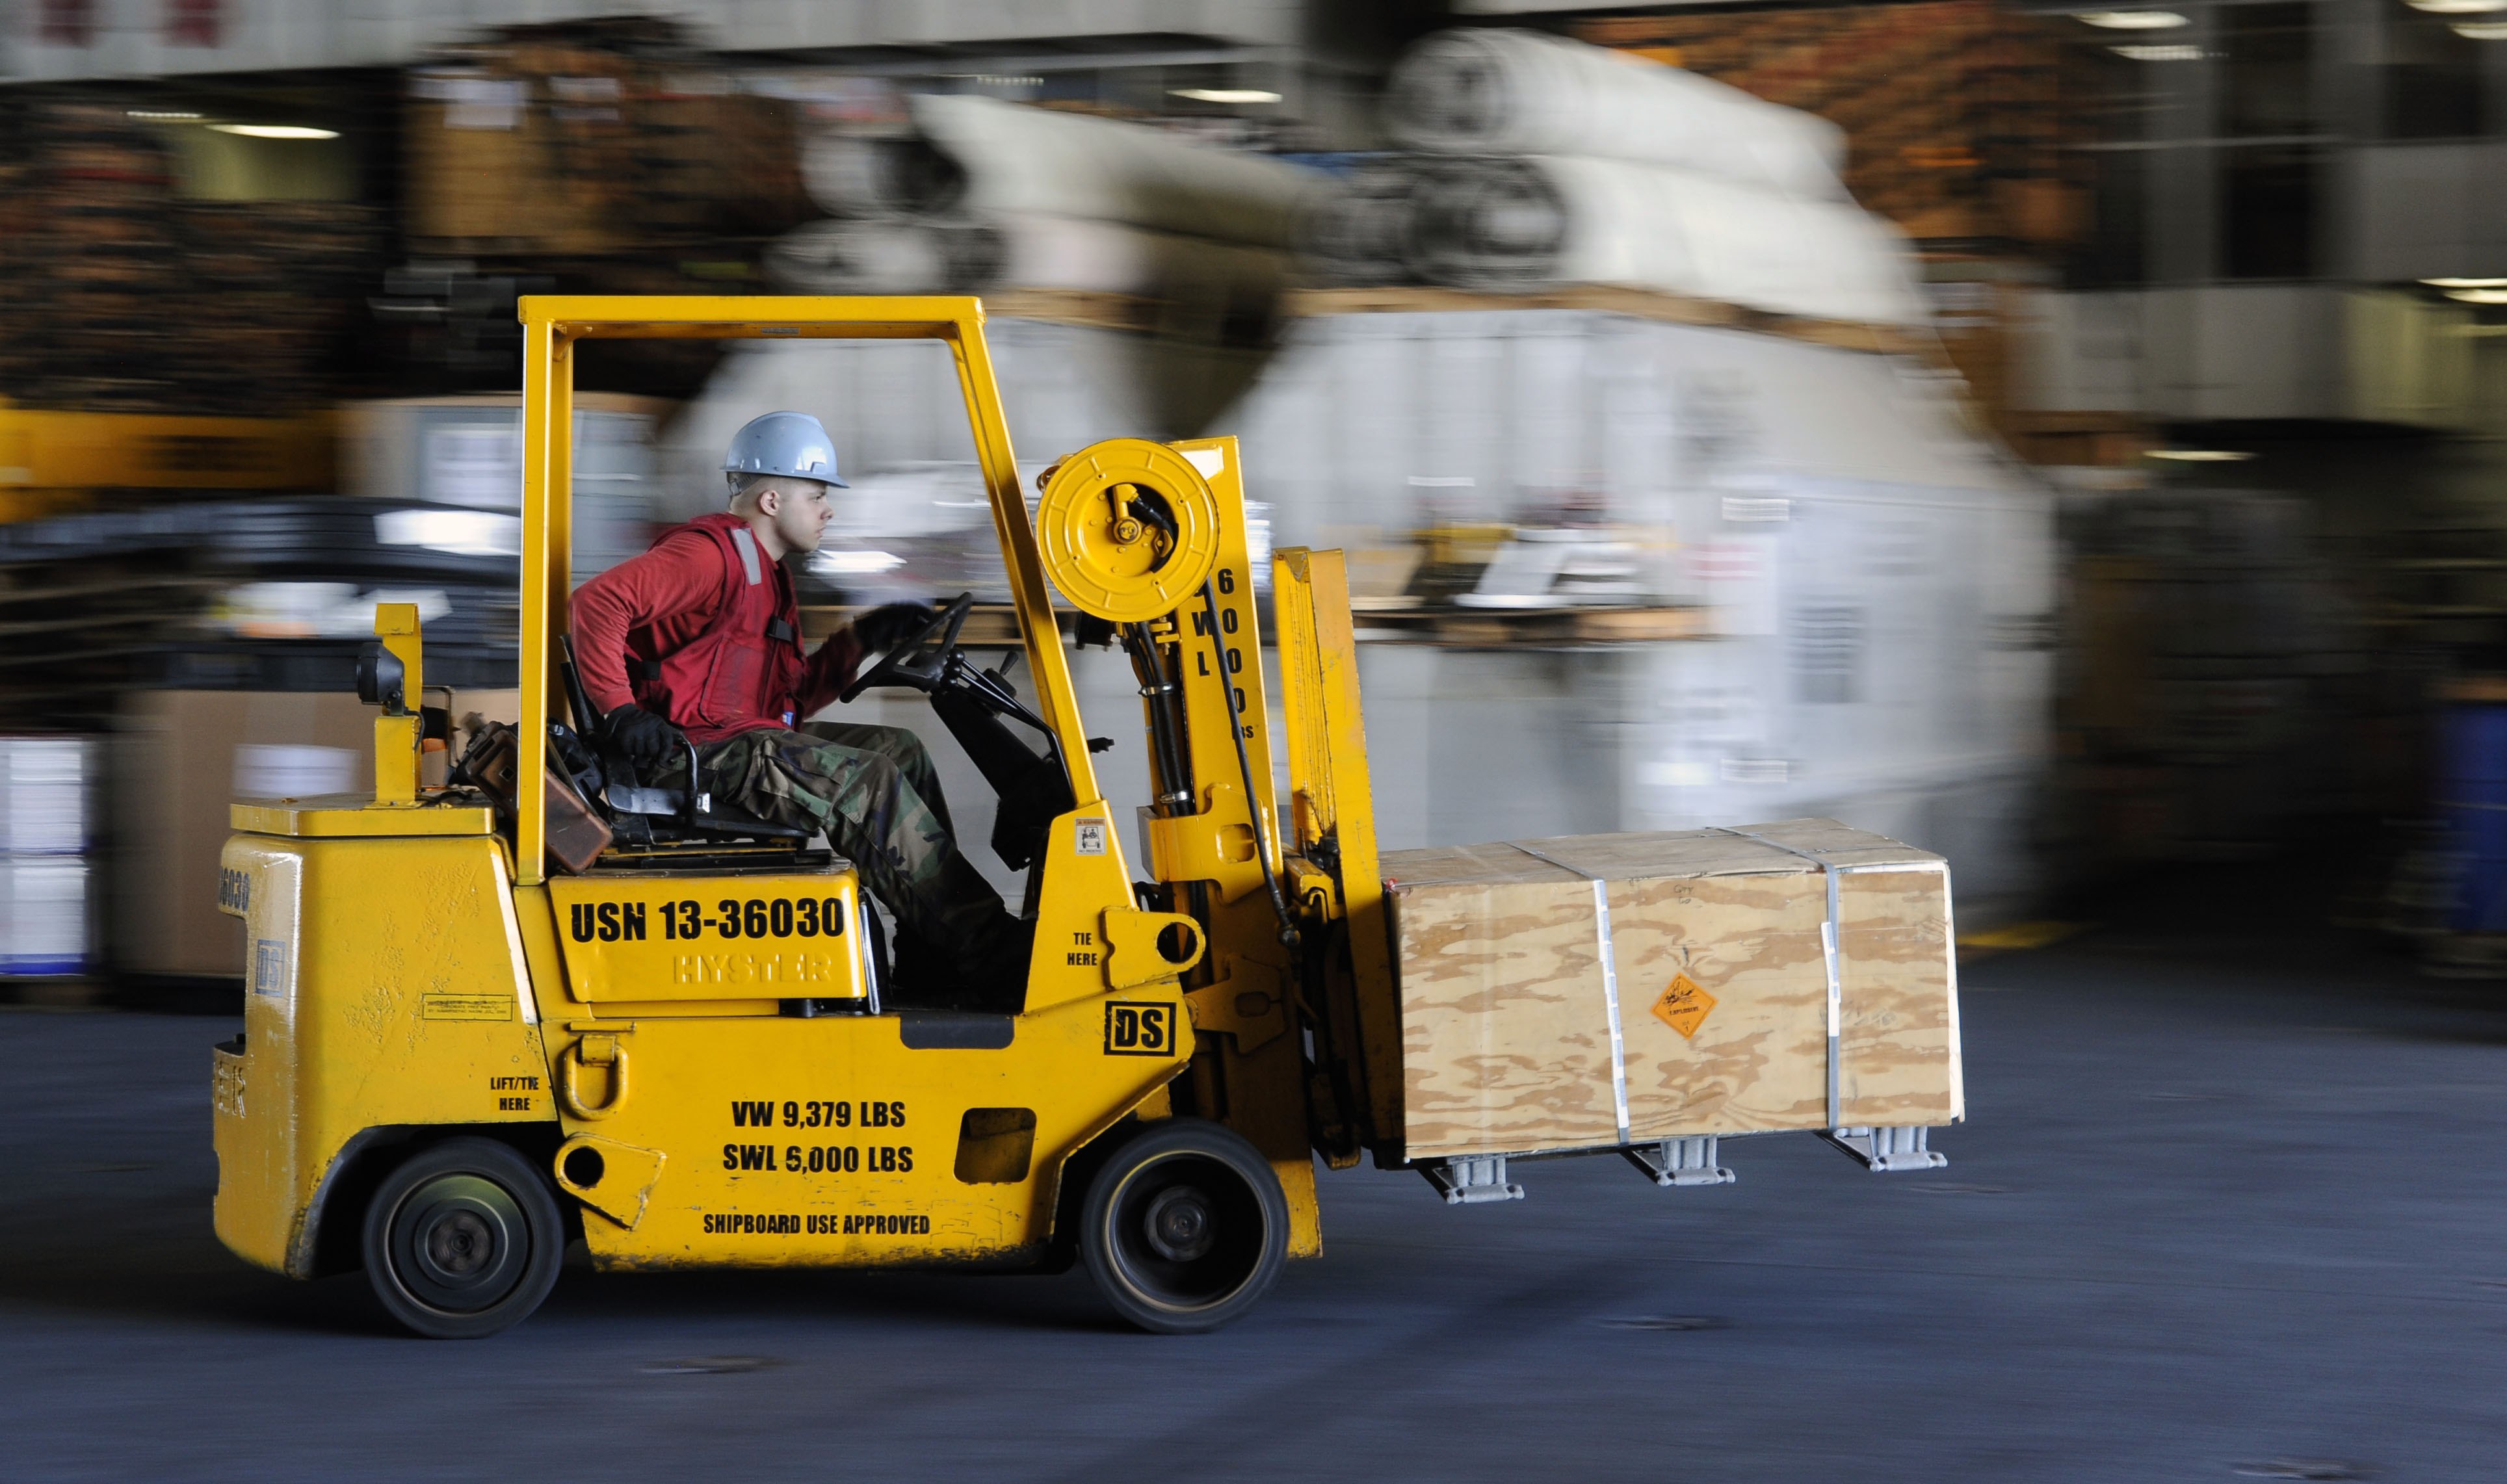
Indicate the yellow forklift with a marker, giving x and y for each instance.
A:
(548, 1001)
(538, 1003)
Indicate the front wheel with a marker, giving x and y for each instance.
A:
(1185, 1227)
(463, 1240)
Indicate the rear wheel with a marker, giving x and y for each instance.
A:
(463, 1240)
(1185, 1227)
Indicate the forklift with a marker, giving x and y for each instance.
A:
(551, 999)
(545, 1000)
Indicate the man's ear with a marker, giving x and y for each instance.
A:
(768, 500)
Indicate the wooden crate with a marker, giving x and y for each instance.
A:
(1507, 1014)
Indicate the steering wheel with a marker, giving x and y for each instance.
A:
(924, 674)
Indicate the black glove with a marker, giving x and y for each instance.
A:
(650, 742)
(884, 627)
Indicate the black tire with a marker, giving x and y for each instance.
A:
(463, 1240)
(1184, 1228)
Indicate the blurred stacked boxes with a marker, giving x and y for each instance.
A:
(90, 246)
(1954, 109)
(593, 140)
(2216, 676)
(119, 295)
(269, 289)
(45, 925)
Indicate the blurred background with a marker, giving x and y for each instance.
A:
(2068, 440)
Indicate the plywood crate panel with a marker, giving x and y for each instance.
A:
(1507, 1011)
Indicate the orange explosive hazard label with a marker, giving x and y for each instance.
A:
(1683, 1006)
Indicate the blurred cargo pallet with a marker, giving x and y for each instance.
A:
(1640, 304)
(321, 666)
(50, 460)
(1532, 627)
(989, 624)
(2080, 440)
(1089, 308)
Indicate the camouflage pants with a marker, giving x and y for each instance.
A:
(874, 793)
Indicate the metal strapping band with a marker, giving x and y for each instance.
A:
(1610, 984)
(1827, 960)
(748, 545)
(1828, 947)
(1836, 999)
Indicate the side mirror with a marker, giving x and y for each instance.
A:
(382, 678)
(390, 669)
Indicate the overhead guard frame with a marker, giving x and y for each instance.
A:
(551, 326)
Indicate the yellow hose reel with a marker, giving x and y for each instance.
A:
(1129, 527)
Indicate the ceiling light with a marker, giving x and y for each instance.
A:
(2477, 296)
(2458, 6)
(2173, 53)
(276, 131)
(2466, 283)
(2200, 455)
(1236, 94)
(2131, 21)
(161, 115)
(2479, 30)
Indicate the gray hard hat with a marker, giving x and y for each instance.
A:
(791, 444)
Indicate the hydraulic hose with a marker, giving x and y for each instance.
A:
(1289, 934)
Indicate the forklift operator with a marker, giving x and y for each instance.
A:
(699, 640)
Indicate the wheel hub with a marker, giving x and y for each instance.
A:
(458, 1244)
(1179, 1224)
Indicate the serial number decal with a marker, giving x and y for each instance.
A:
(235, 892)
(681, 922)
(787, 1224)
(820, 1159)
(1138, 1030)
